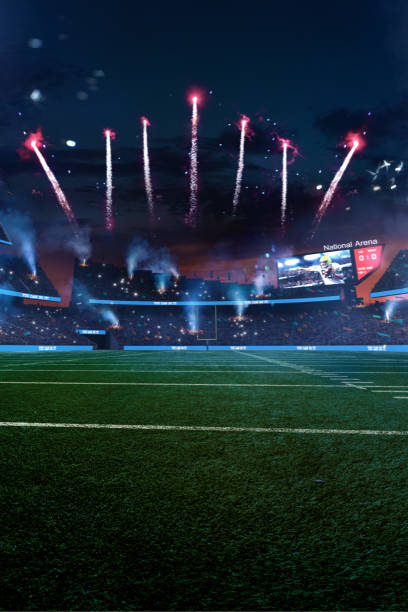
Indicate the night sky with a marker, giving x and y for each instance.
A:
(307, 71)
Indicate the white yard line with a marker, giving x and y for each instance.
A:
(159, 384)
(272, 370)
(304, 370)
(395, 390)
(364, 432)
(136, 371)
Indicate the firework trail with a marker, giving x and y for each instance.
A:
(284, 182)
(355, 143)
(146, 165)
(240, 170)
(192, 214)
(286, 144)
(55, 185)
(109, 203)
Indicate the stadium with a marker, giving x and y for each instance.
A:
(203, 325)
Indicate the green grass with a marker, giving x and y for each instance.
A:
(134, 520)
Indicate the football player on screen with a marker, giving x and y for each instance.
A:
(330, 271)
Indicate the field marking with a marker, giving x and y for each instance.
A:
(159, 384)
(394, 390)
(400, 397)
(153, 365)
(326, 374)
(308, 370)
(364, 432)
(145, 363)
(136, 371)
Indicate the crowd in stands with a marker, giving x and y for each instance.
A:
(296, 324)
(106, 281)
(263, 325)
(26, 324)
(15, 275)
(396, 276)
(341, 322)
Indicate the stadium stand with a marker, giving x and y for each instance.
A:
(337, 324)
(329, 323)
(15, 275)
(106, 281)
(396, 276)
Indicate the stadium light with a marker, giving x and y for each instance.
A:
(311, 257)
(292, 261)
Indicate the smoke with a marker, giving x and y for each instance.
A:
(80, 300)
(237, 293)
(79, 243)
(141, 255)
(259, 283)
(389, 309)
(109, 316)
(161, 282)
(21, 231)
(192, 318)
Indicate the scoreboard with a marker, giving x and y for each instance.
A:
(367, 260)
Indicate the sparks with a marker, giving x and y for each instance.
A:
(284, 182)
(354, 143)
(109, 201)
(55, 185)
(191, 218)
(286, 144)
(146, 165)
(240, 170)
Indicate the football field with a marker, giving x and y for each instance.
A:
(219, 480)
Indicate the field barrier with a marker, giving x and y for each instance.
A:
(342, 347)
(14, 348)
(401, 348)
(30, 296)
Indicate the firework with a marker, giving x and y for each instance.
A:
(109, 202)
(286, 144)
(240, 170)
(55, 185)
(284, 182)
(146, 166)
(192, 214)
(355, 144)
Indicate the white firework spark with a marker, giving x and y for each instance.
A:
(240, 169)
(284, 182)
(56, 186)
(328, 196)
(146, 167)
(109, 187)
(192, 214)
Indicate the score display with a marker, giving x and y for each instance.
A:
(367, 260)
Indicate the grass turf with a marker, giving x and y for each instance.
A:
(119, 519)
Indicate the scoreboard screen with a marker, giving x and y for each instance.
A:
(315, 269)
(367, 260)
